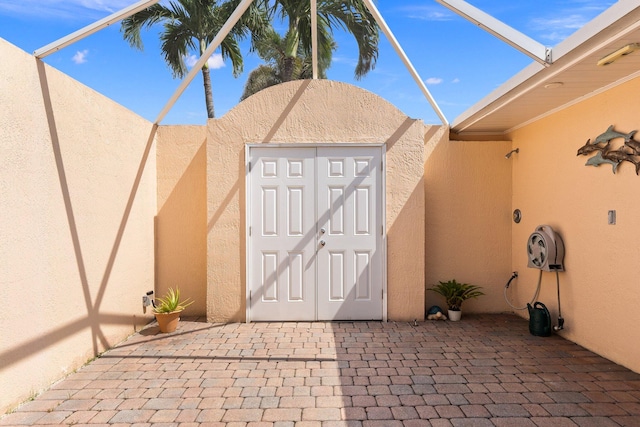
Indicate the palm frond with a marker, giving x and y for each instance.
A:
(347, 15)
(189, 26)
(176, 42)
(131, 26)
(354, 17)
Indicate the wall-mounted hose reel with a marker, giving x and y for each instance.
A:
(545, 251)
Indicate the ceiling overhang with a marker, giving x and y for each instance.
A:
(537, 91)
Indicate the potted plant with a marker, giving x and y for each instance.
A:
(167, 310)
(455, 294)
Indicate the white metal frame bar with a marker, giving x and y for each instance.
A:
(226, 28)
(92, 28)
(507, 34)
(403, 56)
(314, 38)
(523, 43)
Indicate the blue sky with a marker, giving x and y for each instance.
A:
(459, 62)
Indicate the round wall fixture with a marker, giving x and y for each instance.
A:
(517, 216)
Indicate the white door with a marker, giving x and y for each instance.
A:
(349, 260)
(315, 233)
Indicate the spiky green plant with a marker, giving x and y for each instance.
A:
(171, 302)
(456, 293)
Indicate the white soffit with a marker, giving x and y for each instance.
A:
(523, 98)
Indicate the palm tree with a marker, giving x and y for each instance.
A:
(272, 49)
(350, 15)
(191, 25)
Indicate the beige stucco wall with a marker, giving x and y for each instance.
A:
(181, 223)
(468, 217)
(600, 292)
(77, 197)
(317, 111)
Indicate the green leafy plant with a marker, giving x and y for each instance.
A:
(456, 293)
(171, 302)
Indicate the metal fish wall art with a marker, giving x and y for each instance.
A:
(629, 151)
(597, 160)
(589, 148)
(610, 134)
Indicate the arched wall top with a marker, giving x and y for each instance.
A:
(314, 111)
(306, 110)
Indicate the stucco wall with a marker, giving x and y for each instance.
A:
(181, 224)
(600, 292)
(468, 217)
(314, 112)
(77, 197)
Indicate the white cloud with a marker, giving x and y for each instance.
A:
(433, 81)
(80, 57)
(108, 5)
(557, 29)
(427, 13)
(349, 60)
(456, 80)
(563, 23)
(64, 9)
(214, 62)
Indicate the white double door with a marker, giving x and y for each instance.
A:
(315, 233)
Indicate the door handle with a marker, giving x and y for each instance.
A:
(322, 243)
(323, 230)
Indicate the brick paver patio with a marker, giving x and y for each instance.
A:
(486, 370)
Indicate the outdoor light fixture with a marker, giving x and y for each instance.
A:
(625, 50)
(553, 85)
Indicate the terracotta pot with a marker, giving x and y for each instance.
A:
(454, 315)
(168, 322)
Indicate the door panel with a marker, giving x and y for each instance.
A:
(315, 244)
(349, 208)
(282, 219)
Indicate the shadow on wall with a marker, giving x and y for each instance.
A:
(468, 217)
(295, 99)
(408, 265)
(94, 318)
(181, 235)
(311, 112)
(400, 132)
(406, 284)
(227, 305)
